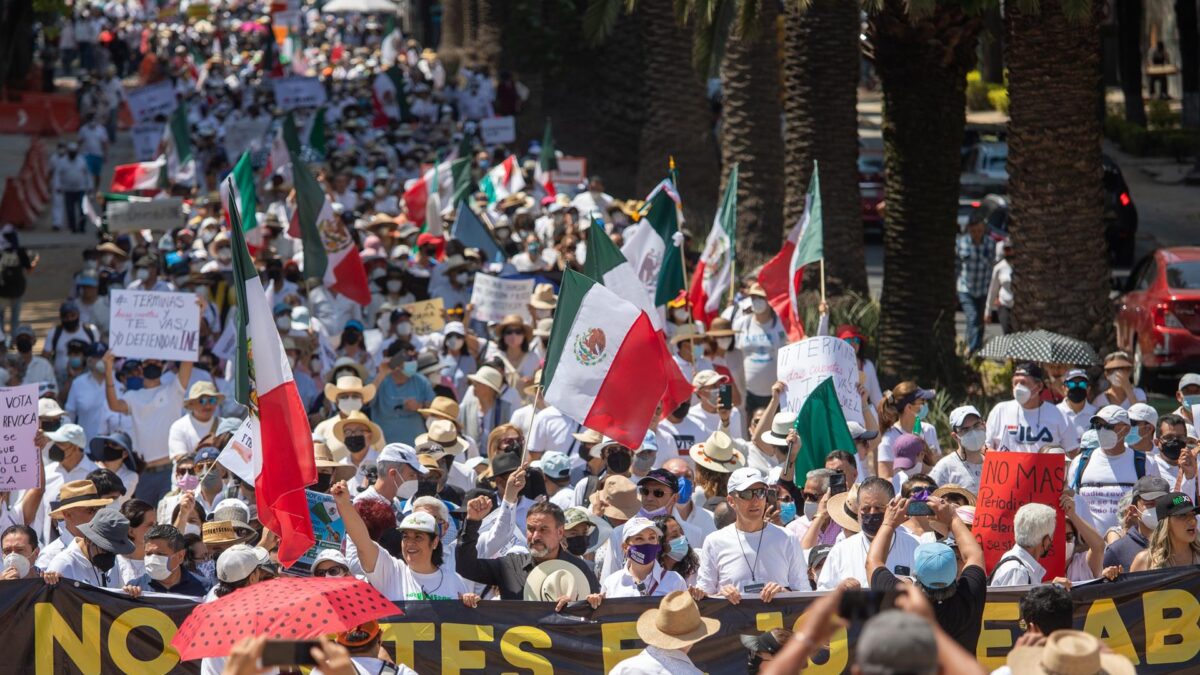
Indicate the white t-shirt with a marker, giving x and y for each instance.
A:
(1171, 473)
(1139, 396)
(620, 584)
(711, 421)
(92, 139)
(552, 431)
(1080, 421)
(153, 412)
(397, 581)
(1105, 480)
(848, 559)
(759, 345)
(685, 433)
(185, 435)
(1013, 428)
(884, 452)
(952, 469)
(732, 557)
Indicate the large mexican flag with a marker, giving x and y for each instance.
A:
(329, 251)
(605, 263)
(714, 273)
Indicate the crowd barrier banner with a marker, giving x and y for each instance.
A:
(1153, 618)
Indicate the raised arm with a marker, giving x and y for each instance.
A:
(896, 515)
(115, 403)
(764, 422)
(1084, 531)
(368, 554)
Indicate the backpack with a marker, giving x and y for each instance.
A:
(1000, 564)
(1139, 466)
(88, 329)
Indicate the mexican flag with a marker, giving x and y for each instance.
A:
(329, 251)
(780, 277)
(503, 180)
(281, 451)
(139, 176)
(240, 190)
(651, 248)
(605, 263)
(435, 191)
(176, 147)
(285, 143)
(389, 96)
(605, 364)
(547, 162)
(821, 427)
(713, 276)
(314, 135)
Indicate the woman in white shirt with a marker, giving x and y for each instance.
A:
(1118, 370)
(642, 576)
(1085, 547)
(901, 412)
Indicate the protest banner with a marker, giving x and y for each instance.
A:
(328, 528)
(152, 101)
(1011, 480)
(1148, 617)
(426, 316)
(805, 364)
(146, 137)
(20, 459)
(496, 298)
(161, 215)
(294, 91)
(498, 130)
(570, 170)
(243, 135)
(238, 454)
(154, 325)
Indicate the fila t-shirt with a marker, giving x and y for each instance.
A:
(1011, 428)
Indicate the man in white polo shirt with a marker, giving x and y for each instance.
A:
(750, 557)
(848, 558)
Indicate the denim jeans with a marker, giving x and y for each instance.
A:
(972, 308)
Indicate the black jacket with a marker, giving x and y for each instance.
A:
(508, 572)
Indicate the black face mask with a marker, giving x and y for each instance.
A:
(510, 445)
(1076, 395)
(51, 425)
(577, 545)
(535, 484)
(682, 410)
(104, 561)
(356, 443)
(429, 251)
(618, 461)
(871, 522)
(426, 488)
(71, 326)
(350, 337)
(56, 453)
(324, 480)
(152, 372)
(24, 345)
(1172, 448)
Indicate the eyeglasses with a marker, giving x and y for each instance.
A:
(809, 497)
(750, 493)
(658, 493)
(207, 400)
(204, 468)
(334, 571)
(185, 470)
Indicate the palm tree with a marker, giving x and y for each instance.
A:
(922, 62)
(820, 80)
(1061, 275)
(1189, 60)
(1129, 58)
(450, 48)
(490, 34)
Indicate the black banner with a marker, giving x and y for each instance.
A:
(1152, 617)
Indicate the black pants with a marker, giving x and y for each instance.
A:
(73, 203)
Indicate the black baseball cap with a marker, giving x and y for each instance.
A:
(1174, 504)
(1150, 488)
(662, 476)
(1030, 369)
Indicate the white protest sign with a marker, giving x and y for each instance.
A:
(243, 135)
(238, 454)
(805, 364)
(496, 298)
(293, 92)
(498, 130)
(571, 170)
(134, 216)
(149, 102)
(146, 136)
(154, 325)
(20, 460)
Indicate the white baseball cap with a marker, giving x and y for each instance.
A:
(1112, 414)
(238, 561)
(419, 521)
(745, 477)
(1140, 412)
(637, 524)
(401, 454)
(961, 413)
(69, 433)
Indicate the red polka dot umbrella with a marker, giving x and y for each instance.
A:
(288, 608)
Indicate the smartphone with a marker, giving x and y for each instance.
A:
(725, 397)
(918, 503)
(772, 497)
(860, 604)
(837, 484)
(289, 653)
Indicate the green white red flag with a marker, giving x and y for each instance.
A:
(329, 251)
(714, 273)
(781, 276)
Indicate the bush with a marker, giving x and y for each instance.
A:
(1160, 116)
(977, 92)
(1156, 142)
(998, 98)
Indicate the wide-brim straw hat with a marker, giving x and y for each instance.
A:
(218, 532)
(488, 377)
(676, 623)
(356, 417)
(717, 454)
(841, 509)
(720, 327)
(349, 384)
(619, 496)
(553, 579)
(78, 494)
(443, 407)
(445, 434)
(1068, 652)
(514, 320)
(953, 489)
(543, 297)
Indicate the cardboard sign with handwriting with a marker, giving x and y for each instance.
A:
(1011, 480)
(426, 316)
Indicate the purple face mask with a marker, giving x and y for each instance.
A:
(643, 554)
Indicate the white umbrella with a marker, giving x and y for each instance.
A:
(362, 6)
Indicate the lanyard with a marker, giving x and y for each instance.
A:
(761, 534)
(647, 592)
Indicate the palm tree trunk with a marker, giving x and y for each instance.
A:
(751, 137)
(922, 65)
(490, 34)
(620, 116)
(678, 118)
(470, 30)
(1129, 56)
(1189, 60)
(821, 67)
(1060, 275)
(450, 48)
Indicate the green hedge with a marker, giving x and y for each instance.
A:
(1137, 140)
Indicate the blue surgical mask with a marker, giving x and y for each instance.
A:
(787, 512)
(1134, 436)
(1192, 400)
(685, 489)
(923, 413)
(678, 549)
(133, 383)
(410, 368)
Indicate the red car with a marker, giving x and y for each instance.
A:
(1158, 321)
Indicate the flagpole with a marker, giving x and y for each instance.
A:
(537, 398)
(822, 281)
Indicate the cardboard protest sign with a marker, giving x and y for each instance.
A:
(1011, 480)
(243, 135)
(152, 101)
(570, 170)
(134, 216)
(426, 316)
(20, 458)
(293, 92)
(328, 528)
(238, 454)
(498, 130)
(496, 298)
(805, 364)
(154, 325)
(146, 137)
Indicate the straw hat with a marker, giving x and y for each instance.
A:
(543, 328)
(953, 489)
(441, 406)
(843, 509)
(324, 460)
(220, 532)
(686, 331)
(720, 327)
(553, 579)
(356, 417)
(202, 389)
(588, 436)
(543, 297)
(349, 384)
(531, 390)
(445, 434)
(717, 454)
(676, 623)
(514, 320)
(488, 377)
(1069, 652)
(78, 494)
(619, 496)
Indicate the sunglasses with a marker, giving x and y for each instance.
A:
(207, 400)
(514, 331)
(1077, 384)
(658, 493)
(1102, 425)
(809, 497)
(750, 493)
(335, 571)
(185, 470)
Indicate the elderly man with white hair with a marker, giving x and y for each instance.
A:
(1033, 527)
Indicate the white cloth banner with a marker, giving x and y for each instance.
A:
(496, 298)
(161, 215)
(20, 458)
(154, 325)
(805, 364)
(293, 92)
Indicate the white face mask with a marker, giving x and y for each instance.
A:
(1150, 518)
(454, 342)
(1022, 393)
(191, 528)
(17, 562)
(1069, 551)
(142, 274)
(725, 343)
(697, 351)
(404, 329)
(972, 441)
(284, 323)
(758, 305)
(349, 405)
(681, 314)
(394, 285)
(810, 509)
(384, 322)
(1114, 379)
(406, 489)
(158, 566)
(1108, 438)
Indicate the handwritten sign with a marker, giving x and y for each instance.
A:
(426, 316)
(571, 170)
(328, 528)
(20, 461)
(134, 216)
(1011, 480)
(238, 454)
(148, 103)
(498, 130)
(293, 92)
(154, 325)
(496, 298)
(805, 364)
(146, 136)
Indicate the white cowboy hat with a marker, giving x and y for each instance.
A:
(781, 424)
(488, 377)
(349, 384)
(717, 453)
(553, 579)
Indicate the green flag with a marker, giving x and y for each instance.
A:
(810, 247)
(822, 429)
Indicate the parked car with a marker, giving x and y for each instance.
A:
(985, 169)
(1158, 314)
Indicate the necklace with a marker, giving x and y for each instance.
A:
(441, 574)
